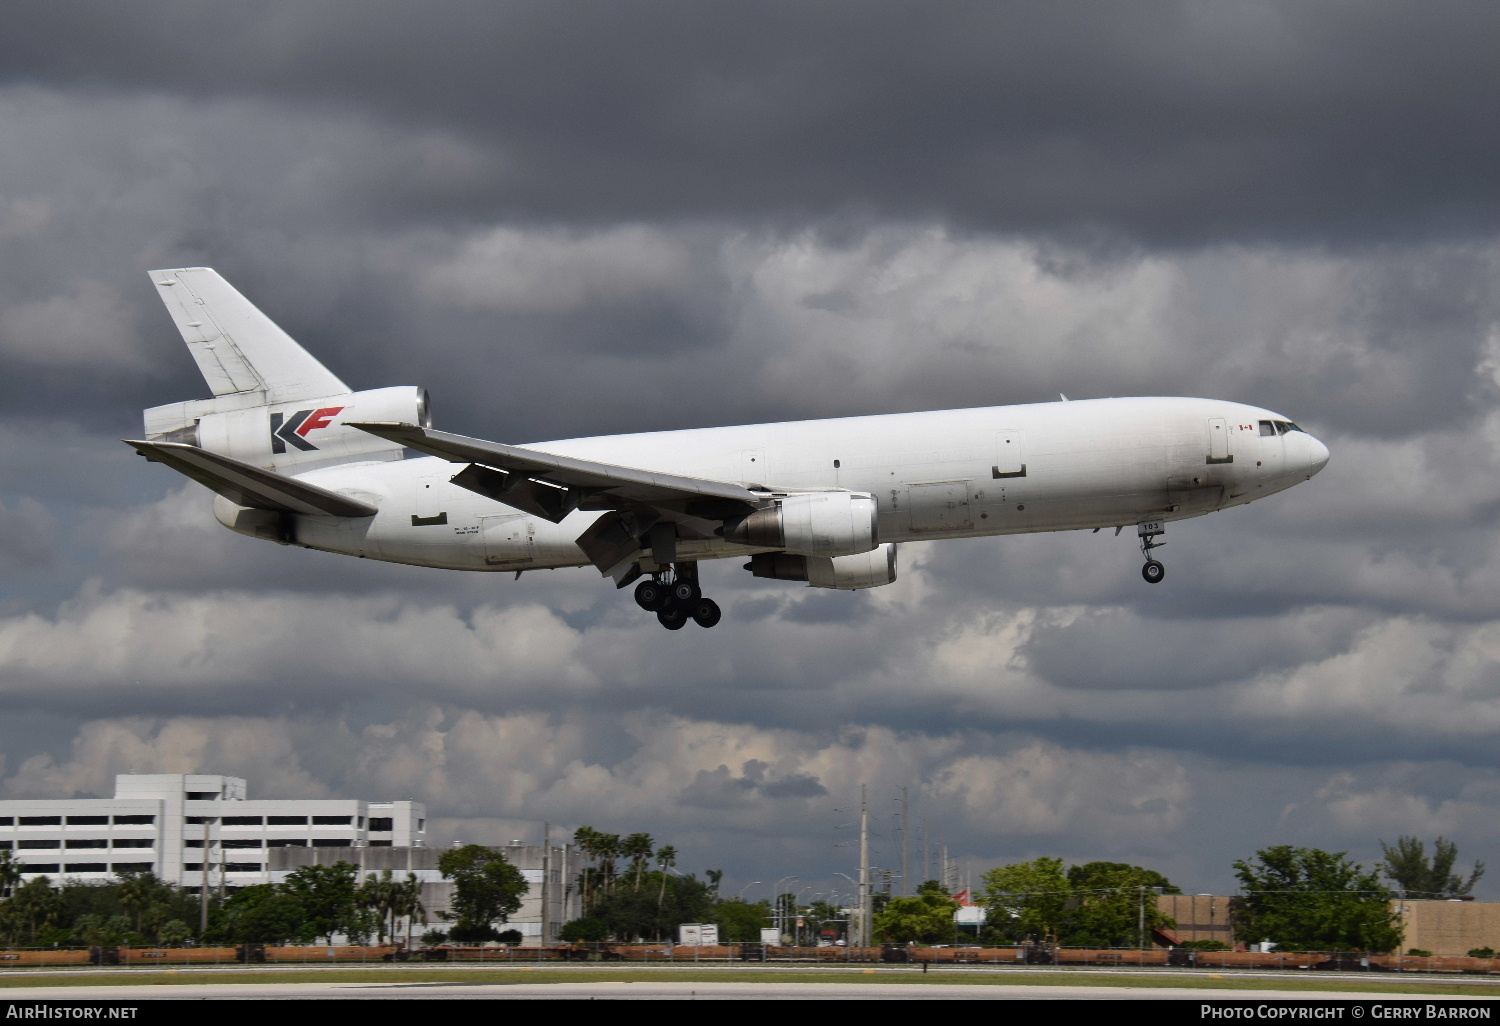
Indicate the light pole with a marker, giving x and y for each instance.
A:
(780, 911)
(741, 895)
(795, 913)
(849, 919)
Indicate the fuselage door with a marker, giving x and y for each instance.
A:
(509, 540)
(1010, 461)
(1218, 441)
(940, 506)
(430, 495)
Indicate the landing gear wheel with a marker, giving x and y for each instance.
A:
(672, 619)
(649, 595)
(706, 613)
(686, 593)
(1153, 572)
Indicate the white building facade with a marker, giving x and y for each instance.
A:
(168, 822)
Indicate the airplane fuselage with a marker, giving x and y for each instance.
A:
(946, 474)
(298, 457)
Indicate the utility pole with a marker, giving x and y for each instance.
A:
(546, 865)
(865, 904)
(203, 886)
(926, 854)
(905, 832)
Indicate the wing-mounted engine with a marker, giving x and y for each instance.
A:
(845, 573)
(298, 435)
(811, 524)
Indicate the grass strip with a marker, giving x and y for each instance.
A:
(509, 976)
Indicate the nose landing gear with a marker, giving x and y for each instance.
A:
(1153, 571)
(674, 596)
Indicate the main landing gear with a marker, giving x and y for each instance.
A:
(674, 596)
(1153, 571)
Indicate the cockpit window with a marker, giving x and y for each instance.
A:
(1267, 429)
(1283, 426)
(1289, 426)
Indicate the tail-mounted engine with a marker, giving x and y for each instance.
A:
(301, 434)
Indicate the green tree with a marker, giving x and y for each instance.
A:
(1419, 877)
(1027, 899)
(607, 849)
(739, 920)
(384, 897)
(10, 872)
(654, 912)
(927, 918)
(638, 848)
(327, 895)
(174, 932)
(145, 898)
(1107, 874)
(408, 903)
(1113, 902)
(100, 931)
(666, 858)
(487, 890)
(263, 914)
(585, 931)
(36, 905)
(1306, 899)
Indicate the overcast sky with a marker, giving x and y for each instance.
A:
(572, 218)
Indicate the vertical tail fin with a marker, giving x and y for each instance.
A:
(239, 349)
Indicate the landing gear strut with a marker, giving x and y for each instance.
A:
(672, 593)
(1153, 571)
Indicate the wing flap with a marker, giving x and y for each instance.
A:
(249, 485)
(530, 474)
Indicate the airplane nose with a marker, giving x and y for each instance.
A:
(1317, 456)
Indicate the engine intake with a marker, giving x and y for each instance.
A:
(811, 524)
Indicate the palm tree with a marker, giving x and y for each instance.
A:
(10, 873)
(607, 847)
(666, 858)
(406, 903)
(586, 838)
(137, 894)
(638, 848)
(379, 894)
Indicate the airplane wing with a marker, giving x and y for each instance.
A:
(552, 486)
(575, 483)
(249, 485)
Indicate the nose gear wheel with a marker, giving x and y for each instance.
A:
(1153, 571)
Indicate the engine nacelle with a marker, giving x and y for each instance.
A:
(811, 524)
(845, 573)
(308, 432)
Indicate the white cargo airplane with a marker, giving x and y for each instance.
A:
(299, 458)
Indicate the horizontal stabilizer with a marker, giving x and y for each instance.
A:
(249, 485)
